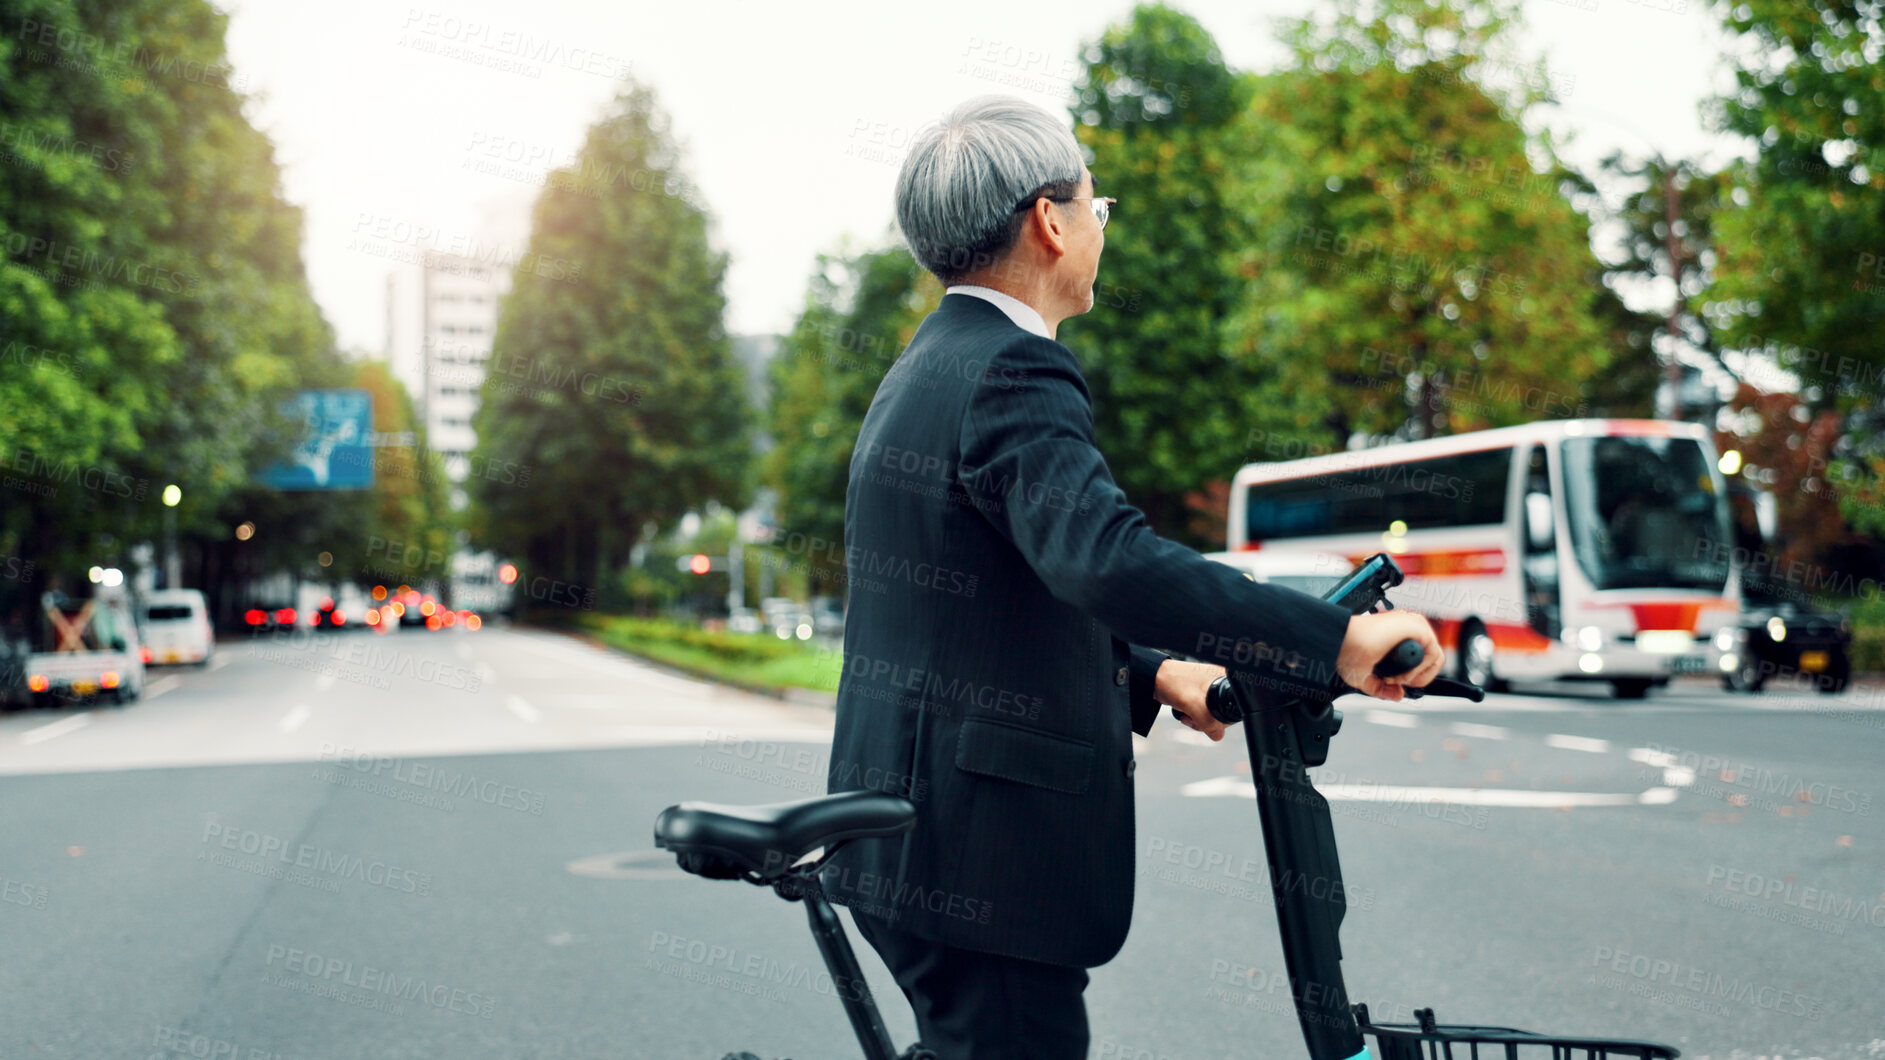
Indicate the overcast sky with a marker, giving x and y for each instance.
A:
(397, 122)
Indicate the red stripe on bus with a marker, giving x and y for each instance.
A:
(1672, 614)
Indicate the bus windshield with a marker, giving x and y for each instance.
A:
(1644, 513)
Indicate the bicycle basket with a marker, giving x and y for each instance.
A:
(1428, 1040)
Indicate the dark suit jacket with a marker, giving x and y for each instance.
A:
(995, 577)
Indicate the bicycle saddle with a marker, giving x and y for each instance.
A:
(724, 842)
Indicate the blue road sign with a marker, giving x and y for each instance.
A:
(334, 453)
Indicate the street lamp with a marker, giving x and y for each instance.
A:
(173, 566)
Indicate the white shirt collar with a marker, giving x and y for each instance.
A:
(1023, 314)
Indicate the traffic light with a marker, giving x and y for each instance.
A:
(699, 563)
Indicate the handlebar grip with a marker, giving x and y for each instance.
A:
(1405, 656)
(1223, 701)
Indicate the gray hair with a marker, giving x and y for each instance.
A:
(964, 175)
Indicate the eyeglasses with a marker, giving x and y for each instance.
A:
(1102, 207)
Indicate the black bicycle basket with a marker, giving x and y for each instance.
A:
(1428, 1040)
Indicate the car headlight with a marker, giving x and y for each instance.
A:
(1777, 628)
(1726, 637)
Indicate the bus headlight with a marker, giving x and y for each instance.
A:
(1590, 638)
(1591, 664)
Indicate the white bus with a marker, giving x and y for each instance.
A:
(1590, 550)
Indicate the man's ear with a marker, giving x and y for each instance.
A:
(1050, 227)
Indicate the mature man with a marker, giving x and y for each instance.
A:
(1005, 607)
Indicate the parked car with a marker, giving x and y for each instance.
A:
(86, 649)
(269, 618)
(1778, 638)
(177, 627)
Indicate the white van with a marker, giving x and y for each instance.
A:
(177, 627)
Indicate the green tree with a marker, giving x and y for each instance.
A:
(860, 312)
(1409, 251)
(1801, 277)
(1642, 254)
(154, 303)
(614, 399)
(1803, 257)
(1174, 409)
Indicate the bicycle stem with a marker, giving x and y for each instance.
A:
(1285, 737)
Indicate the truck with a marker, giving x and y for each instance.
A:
(87, 649)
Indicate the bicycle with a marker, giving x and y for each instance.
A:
(783, 846)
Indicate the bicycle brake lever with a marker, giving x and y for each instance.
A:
(1446, 686)
(1439, 686)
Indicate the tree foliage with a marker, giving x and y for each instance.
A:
(1801, 279)
(155, 305)
(860, 312)
(1415, 270)
(615, 401)
(1803, 257)
(1173, 409)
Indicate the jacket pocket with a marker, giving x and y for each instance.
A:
(1027, 756)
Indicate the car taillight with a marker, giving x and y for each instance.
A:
(108, 679)
(432, 622)
(285, 616)
(144, 654)
(428, 608)
(340, 617)
(38, 683)
(373, 618)
(473, 622)
(314, 618)
(255, 617)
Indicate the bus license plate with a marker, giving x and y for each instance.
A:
(1813, 662)
(1689, 664)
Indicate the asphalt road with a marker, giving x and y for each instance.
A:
(437, 845)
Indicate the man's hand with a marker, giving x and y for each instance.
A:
(1371, 637)
(1183, 685)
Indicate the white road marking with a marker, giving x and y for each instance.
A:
(1391, 717)
(1484, 732)
(522, 708)
(324, 682)
(167, 683)
(295, 718)
(56, 729)
(1577, 743)
(1239, 787)
(1672, 774)
(463, 651)
(218, 661)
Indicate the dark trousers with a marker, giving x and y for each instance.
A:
(982, 1006)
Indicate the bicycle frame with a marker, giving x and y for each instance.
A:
(1285, 735)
